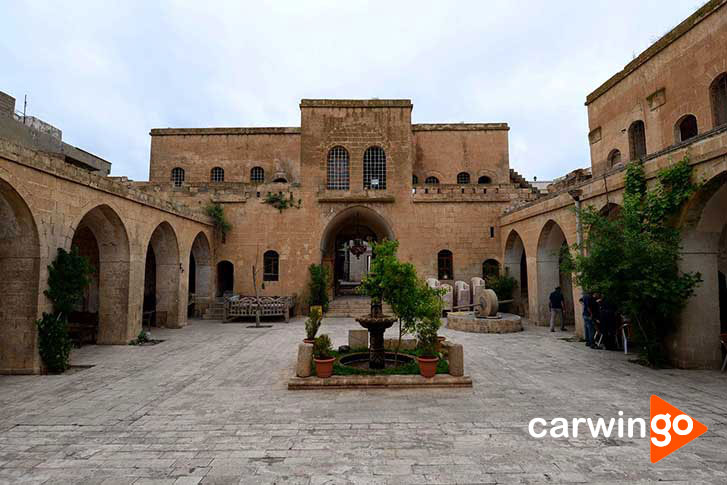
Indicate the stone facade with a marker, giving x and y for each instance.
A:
(670, 80)
(425, 218)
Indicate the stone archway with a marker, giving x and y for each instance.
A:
(551, 244)
(19, 267)
(162, 273)
(102, 237)
(200, 284)
(516, 266)
(357, 222)
(695, 341)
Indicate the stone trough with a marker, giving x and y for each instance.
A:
(470, 322)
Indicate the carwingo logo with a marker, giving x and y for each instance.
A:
(670, 428)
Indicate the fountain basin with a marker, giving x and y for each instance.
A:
(469, 322)
(361, 360)
(376, 325)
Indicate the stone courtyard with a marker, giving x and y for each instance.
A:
(210, 405)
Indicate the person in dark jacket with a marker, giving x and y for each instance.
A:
(556, 308)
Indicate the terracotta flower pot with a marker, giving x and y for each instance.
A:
(427, 366)
(324, 367)
(309, 340)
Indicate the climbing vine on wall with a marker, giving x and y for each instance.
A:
(280, 202)
(217, 213)
(632, 259)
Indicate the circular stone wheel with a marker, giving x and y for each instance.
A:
(488, 303)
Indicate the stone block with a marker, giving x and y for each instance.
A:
(305, 360)
(406, 343)
(358, 339)
(456, 359)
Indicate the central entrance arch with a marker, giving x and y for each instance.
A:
(350, 224)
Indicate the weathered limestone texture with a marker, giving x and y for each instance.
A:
(303, 367)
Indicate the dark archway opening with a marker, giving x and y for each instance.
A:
(225, 278)
(150, 288)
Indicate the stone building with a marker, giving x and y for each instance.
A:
(668, 102)
(359, 170)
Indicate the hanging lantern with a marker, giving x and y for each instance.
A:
(358, 247)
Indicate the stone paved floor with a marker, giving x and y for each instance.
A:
(210, 405)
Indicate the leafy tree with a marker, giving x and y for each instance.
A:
(318, 286)
(502, 285)
(633, 259)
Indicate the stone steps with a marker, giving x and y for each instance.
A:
(216, 311)
(351, 307)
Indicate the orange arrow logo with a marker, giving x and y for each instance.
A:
(671, 428)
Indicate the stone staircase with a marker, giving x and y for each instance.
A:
(352, 307)
(216, 310)
(520, 181)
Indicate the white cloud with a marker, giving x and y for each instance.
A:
(107, 72)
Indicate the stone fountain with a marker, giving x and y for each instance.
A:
(376, 323)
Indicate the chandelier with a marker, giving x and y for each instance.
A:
(359, 246)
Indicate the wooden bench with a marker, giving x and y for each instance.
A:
(246, 306)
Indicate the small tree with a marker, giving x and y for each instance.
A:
(68, 277)
(313, 323)
(633, 259)
(502, 285)
(318, 286)
(397, 284)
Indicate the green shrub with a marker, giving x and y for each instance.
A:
(323, 348)
(68, 276)
(502, 285)
(318, 286)
(217, 213)
(54, 345)
(313, 323)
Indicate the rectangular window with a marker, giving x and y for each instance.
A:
(492, 231)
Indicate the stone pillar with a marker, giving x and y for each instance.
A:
(456, 360)
(304, 365)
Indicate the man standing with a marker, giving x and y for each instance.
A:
(556, 308)
(589, 303)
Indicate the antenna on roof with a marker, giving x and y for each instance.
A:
(25, 106)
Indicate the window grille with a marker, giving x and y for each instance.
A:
(338, 169)
(217, 174)
(444, 265)
(431, 180)
(257, 175)
(463, 178)
(374, 168)
(177, 176)
(414, 180)
(270, 266)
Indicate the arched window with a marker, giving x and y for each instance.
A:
(490, 268)
(718, 96)
(257, 175)
(431, 180)
(217, 174)
(637, 140)
(614, 158)
(177, 176)
(270, 266)
(374, 168)
(338, 171)
(444, 265)
(463, 178)
(414, 180)
(484, 180)
(686, 128)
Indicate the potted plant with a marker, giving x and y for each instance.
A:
(312, 324)
(428, 357)
(322, 355)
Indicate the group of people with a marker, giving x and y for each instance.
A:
(599, 316)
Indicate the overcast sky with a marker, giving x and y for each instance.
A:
(107, 72)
